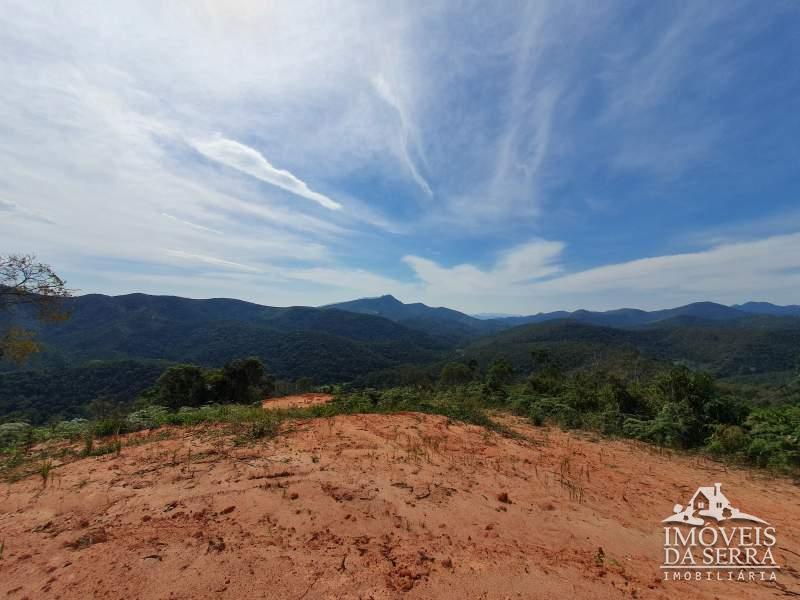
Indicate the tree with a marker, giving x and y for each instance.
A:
(242, 381)
(182, 385)
(499, 374)
(304, 384)
(25, 283)
(103, 408)
(547, 377)
(455, 373)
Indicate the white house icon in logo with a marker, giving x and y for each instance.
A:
(708, 502)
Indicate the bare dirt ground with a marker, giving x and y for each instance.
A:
(298, 401)
(371, 506)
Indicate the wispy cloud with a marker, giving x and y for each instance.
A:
(11, 207)
(385, 131)
(251, 161)
(190, 224)
(408, 135)
(212, 260)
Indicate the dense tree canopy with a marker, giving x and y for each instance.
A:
(455, 373)
(240, 381)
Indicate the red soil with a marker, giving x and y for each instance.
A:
(371, 506)
(298, 401)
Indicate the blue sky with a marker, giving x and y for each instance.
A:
(507, 157)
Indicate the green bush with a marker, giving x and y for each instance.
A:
(147, 418)
(13, 435)
(727, 439)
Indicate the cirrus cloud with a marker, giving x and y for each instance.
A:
(251, 161)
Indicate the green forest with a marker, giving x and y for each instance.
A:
(702, 378)
(673, 407)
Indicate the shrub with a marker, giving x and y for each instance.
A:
(147, 418)
(727, 439)
(110, 426)
(13, 435)
(670, 427)
(71, 430)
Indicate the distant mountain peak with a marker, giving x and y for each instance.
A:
(442, 321)
(382, 299)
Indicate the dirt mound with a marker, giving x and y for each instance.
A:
(370, 506)
(297, 401)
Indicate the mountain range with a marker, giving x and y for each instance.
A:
(446, 321)
(116, 346)
(295, 341)
(335, 342)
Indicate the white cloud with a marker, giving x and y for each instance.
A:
(408, 136)
(518, 267)
(729, 273)
(190, 224)
(489, 108)
(13, 210)
(724, 272)
(212, 260)
(251, 161)
(346, 284)
(94, 142)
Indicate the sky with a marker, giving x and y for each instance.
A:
(509, 157)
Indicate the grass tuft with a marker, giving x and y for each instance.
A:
(45, 469)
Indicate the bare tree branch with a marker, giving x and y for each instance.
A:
(25, 282)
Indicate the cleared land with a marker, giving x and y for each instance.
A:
(297, 401)
(370, 506)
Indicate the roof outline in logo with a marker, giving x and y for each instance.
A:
(708, 502)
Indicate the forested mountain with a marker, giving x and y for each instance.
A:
(328, 345)
(343, 341)
(633, 317)
(53, 394)
(459, 326)
(445, 323)
(747, 346)
(117, 346)
(766, 308)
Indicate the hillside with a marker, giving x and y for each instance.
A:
(54, 394)
(116, 347)
(743, 347)
(634, 317)
(370, 506)
(327, 345)
(766, 308)
(459, 327)
(445, 323)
